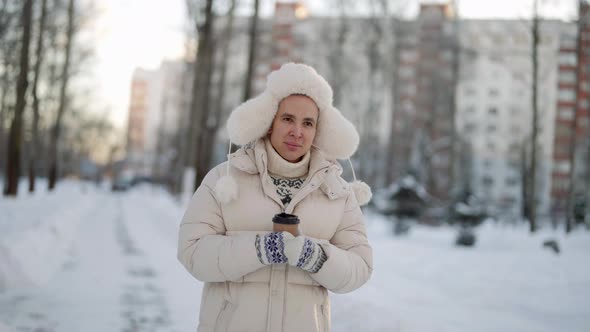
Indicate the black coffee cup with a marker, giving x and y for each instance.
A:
(285, 222)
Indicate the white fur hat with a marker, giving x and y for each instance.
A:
(336, 137)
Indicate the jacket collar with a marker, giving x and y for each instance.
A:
(252, 159)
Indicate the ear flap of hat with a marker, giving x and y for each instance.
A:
(251, 119)
(362, 192)
(336, 136)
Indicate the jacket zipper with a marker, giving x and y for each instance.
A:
(305, 190)
(221, 324)
(323, 322)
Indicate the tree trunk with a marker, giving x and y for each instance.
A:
(182, 136)
(455, 143)
(53, 149)
(227, 33)
(4, 111)
(33, 155)
(212, 125)
(14, 148)
(337, 54)
(524, 170)
(252, 53)
(391, 164)
(202, 79)
(533, 178)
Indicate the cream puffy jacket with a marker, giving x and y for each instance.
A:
(216, 245)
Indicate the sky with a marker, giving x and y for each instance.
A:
(141, 33)
(132, 34)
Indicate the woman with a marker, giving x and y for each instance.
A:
(257, 279)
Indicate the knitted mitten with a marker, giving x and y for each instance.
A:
(304, 253)
(270, 248)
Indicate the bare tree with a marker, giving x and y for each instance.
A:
(532, 202)
(228, 31)
(14, 148)
(6, 17)
(9, 68)
(63, 98)
(371, 119)
(252, 51)
(226, 39)
(337, 50)
(199, 112)
(211, 122)
(37, 70)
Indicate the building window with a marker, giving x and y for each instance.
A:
(567, 59)
(469, 91)
(515, 129)
(470, 109)
(562, 167)
(487, 181)
(562, 130)
(568, 42)
(469, 128)
(514, 164)
(567, 95)
(492, 128)
(509, 201)
(565, 113)
(567, 76)
(511, 181)
(406, 72)
(493, 111)
(493, 92)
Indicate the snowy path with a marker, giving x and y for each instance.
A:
(114, 279)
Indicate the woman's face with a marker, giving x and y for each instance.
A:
(294, 126)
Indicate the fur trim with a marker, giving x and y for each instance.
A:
(294, 78)
(226, 189)
(362, 191)
(336, 136)
(252, 119)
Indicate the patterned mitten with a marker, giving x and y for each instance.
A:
(270, 248)
(303, 252)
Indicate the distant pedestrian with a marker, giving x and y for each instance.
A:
(275, 227)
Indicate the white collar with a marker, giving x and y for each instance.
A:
(283, 168)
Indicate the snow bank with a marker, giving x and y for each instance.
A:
(37, 231)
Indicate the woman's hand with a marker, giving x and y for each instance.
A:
(305, 253)
(270, 247)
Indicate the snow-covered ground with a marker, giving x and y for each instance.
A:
(87, 259)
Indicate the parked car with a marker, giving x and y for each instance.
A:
(121, 184)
